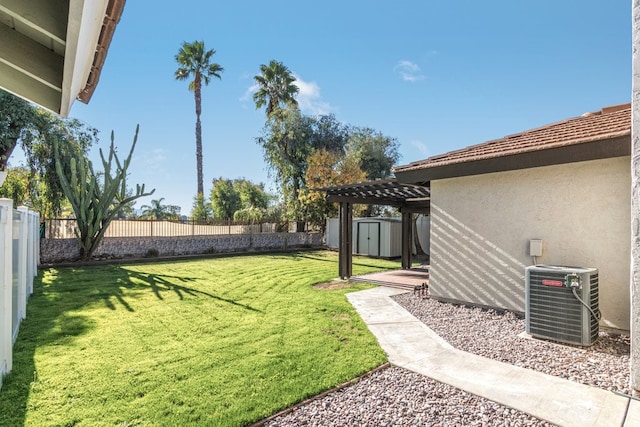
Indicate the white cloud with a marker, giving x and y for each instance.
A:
(155, 159)
(309, 98)
(248, 94)
(421, 147)
(409, 71)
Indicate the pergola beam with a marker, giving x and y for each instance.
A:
(364, 201)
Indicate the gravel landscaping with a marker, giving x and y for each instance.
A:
(498, 336)
(397, 397)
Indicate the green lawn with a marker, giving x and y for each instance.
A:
(219, 341)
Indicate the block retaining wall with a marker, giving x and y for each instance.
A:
(64, 250)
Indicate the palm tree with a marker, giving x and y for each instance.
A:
(155, 211)
(276, 88)
(194, 61)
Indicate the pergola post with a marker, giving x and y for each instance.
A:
(346, 232)
(407, 240)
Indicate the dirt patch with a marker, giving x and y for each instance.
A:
(336, 284)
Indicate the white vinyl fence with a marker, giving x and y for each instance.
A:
(19, 258)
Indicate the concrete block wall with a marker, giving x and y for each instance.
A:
(64, 250)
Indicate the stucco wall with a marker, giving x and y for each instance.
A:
(61, 250)
(481, 227)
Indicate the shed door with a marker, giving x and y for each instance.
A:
(369, 238)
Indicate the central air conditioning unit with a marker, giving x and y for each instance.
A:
(562, 303)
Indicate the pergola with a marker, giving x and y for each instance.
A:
(408, 198)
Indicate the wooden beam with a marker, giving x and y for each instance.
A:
(420, 209)
(418, 206)
(47, 17)
(23, 86)
(363, 201)
(30, 58)
(407, 240)
(345, 240)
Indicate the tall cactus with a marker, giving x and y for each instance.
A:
(95, 204)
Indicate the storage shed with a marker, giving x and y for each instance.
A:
(377, 237)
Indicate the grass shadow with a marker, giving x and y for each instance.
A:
(49, 327)
(159, 283)
(53, 319)
(357, 260)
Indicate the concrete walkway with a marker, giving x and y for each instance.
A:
(410, 344)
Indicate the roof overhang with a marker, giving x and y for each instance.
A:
(594, 150)
(52, 51)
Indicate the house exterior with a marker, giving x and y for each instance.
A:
(567, 184)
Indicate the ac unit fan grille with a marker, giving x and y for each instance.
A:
(555, 313)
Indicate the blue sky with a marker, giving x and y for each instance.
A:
(436, 75)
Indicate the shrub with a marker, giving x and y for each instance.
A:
(152, 253)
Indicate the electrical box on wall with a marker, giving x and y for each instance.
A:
(535, 247)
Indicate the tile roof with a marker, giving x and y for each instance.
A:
(610, 122)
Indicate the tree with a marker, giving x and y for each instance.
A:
(250, 215)
(17, 120)
(327, 168)
(201, 210)
(286, 146)
(16, 186)
(33, 129)
(231, 196)
(375, 152)
(224, 199)
(252, 196)
(289, 142)
(195, 61)
(276, 213)
(95, 198)
(329, 133)
(75, 140)
(158, 210)
(276, 89)
(173, 211)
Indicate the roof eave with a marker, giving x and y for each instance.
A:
(593, 150)
(111, 20)
(89, 33)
